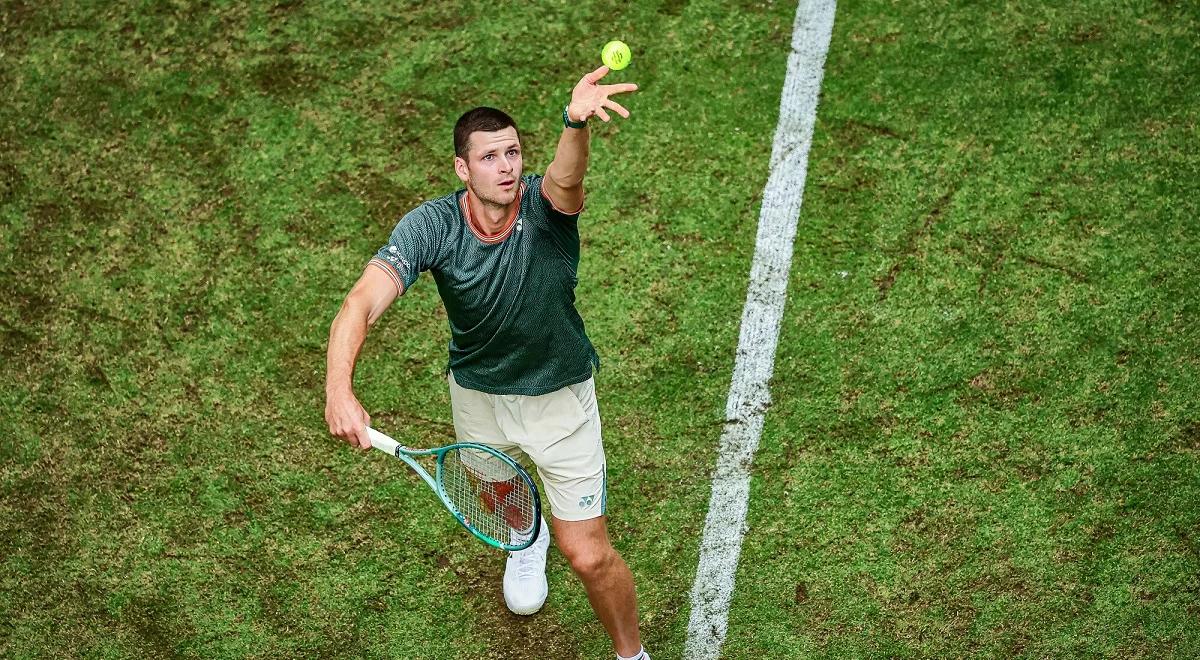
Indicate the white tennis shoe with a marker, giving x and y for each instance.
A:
(525, 586)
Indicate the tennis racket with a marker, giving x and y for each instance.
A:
(487, 491)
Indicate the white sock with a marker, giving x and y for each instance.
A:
(640, 655)
(517, 538)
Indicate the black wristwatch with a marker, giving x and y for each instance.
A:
(572, 124)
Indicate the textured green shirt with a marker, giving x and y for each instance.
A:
(510, 298)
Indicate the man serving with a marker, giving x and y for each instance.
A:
(504, 252)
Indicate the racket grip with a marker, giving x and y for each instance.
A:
(382, 442)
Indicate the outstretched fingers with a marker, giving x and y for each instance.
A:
(616, 107)
(589, 98)
(620, 88)
(596, 75)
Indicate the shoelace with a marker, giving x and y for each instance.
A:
(529, 563)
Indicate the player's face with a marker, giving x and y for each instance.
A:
(493, 167)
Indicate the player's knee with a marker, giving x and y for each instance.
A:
(592, 561)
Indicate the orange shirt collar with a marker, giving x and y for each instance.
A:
(508, 223)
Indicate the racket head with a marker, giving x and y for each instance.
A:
(490, 494)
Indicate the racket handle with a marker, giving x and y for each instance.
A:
(382, 442)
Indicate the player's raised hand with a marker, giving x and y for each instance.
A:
(591, 98)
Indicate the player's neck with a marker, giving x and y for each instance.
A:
(490, 219)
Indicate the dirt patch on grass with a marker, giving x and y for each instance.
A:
(541, 635)
(885, 282)
(285, 76)
(157, 622)
(11, 182)
(1187, 438)
(1086, 34)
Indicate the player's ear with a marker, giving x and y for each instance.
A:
(460, 168)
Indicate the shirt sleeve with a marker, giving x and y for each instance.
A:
(411, 249)
(552, 211)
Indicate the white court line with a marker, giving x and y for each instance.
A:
(749, 395)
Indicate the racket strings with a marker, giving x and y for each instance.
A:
(490, 494)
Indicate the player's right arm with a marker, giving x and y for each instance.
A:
(563, 183)
(366, 302)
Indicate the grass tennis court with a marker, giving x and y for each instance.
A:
(985, 430)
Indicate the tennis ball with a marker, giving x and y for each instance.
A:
(615, 55)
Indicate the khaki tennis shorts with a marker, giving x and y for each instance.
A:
(558, 432)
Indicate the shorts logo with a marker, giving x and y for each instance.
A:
(587, 501)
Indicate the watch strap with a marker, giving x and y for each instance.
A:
(572, 124)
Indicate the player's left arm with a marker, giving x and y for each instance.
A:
(563, 183)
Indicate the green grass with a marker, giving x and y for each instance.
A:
(985, 435)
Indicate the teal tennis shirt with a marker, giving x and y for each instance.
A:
(510, 298)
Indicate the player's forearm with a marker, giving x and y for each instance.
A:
(571, 159)
(346, 337)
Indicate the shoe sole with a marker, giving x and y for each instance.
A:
(524, 611)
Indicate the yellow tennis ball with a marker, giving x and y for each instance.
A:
(615, 55)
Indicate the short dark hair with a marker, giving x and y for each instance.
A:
(479, 119)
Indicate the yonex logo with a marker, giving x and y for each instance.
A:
(587, 501)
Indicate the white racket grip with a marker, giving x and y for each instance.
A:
(382, 442)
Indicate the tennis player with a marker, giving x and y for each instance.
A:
(504, 252)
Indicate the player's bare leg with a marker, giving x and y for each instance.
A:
(605, 577)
